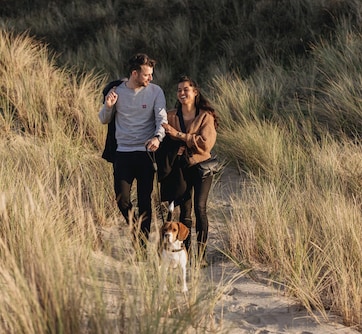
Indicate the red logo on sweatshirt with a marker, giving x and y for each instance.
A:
(144, 106)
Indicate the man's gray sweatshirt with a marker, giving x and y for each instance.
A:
(138, 116)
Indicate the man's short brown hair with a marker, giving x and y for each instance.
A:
(138, 60)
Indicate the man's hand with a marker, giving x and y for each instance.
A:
(111, 98)
(153, 144)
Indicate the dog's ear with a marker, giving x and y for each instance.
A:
(183, 232)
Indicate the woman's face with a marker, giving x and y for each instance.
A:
(186, 94)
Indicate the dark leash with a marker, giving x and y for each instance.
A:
(152, 156)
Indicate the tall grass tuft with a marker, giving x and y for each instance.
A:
(339, 81)
(43, 262)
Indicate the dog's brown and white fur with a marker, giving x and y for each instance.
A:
(172, 250)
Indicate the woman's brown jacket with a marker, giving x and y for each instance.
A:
(200, 135)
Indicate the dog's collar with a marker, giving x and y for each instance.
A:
(177, 250)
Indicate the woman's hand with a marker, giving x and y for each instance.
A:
(171, 131)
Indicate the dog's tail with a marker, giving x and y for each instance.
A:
(171, 208)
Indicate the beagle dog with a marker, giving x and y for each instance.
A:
(172, 250)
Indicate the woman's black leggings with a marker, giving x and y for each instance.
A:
(200, 189)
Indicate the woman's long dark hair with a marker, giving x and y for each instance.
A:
(201, 102)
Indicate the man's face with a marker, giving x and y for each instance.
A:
(144, 76)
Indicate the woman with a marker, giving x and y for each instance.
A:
(192, 124)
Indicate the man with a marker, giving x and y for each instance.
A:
(138, 108)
